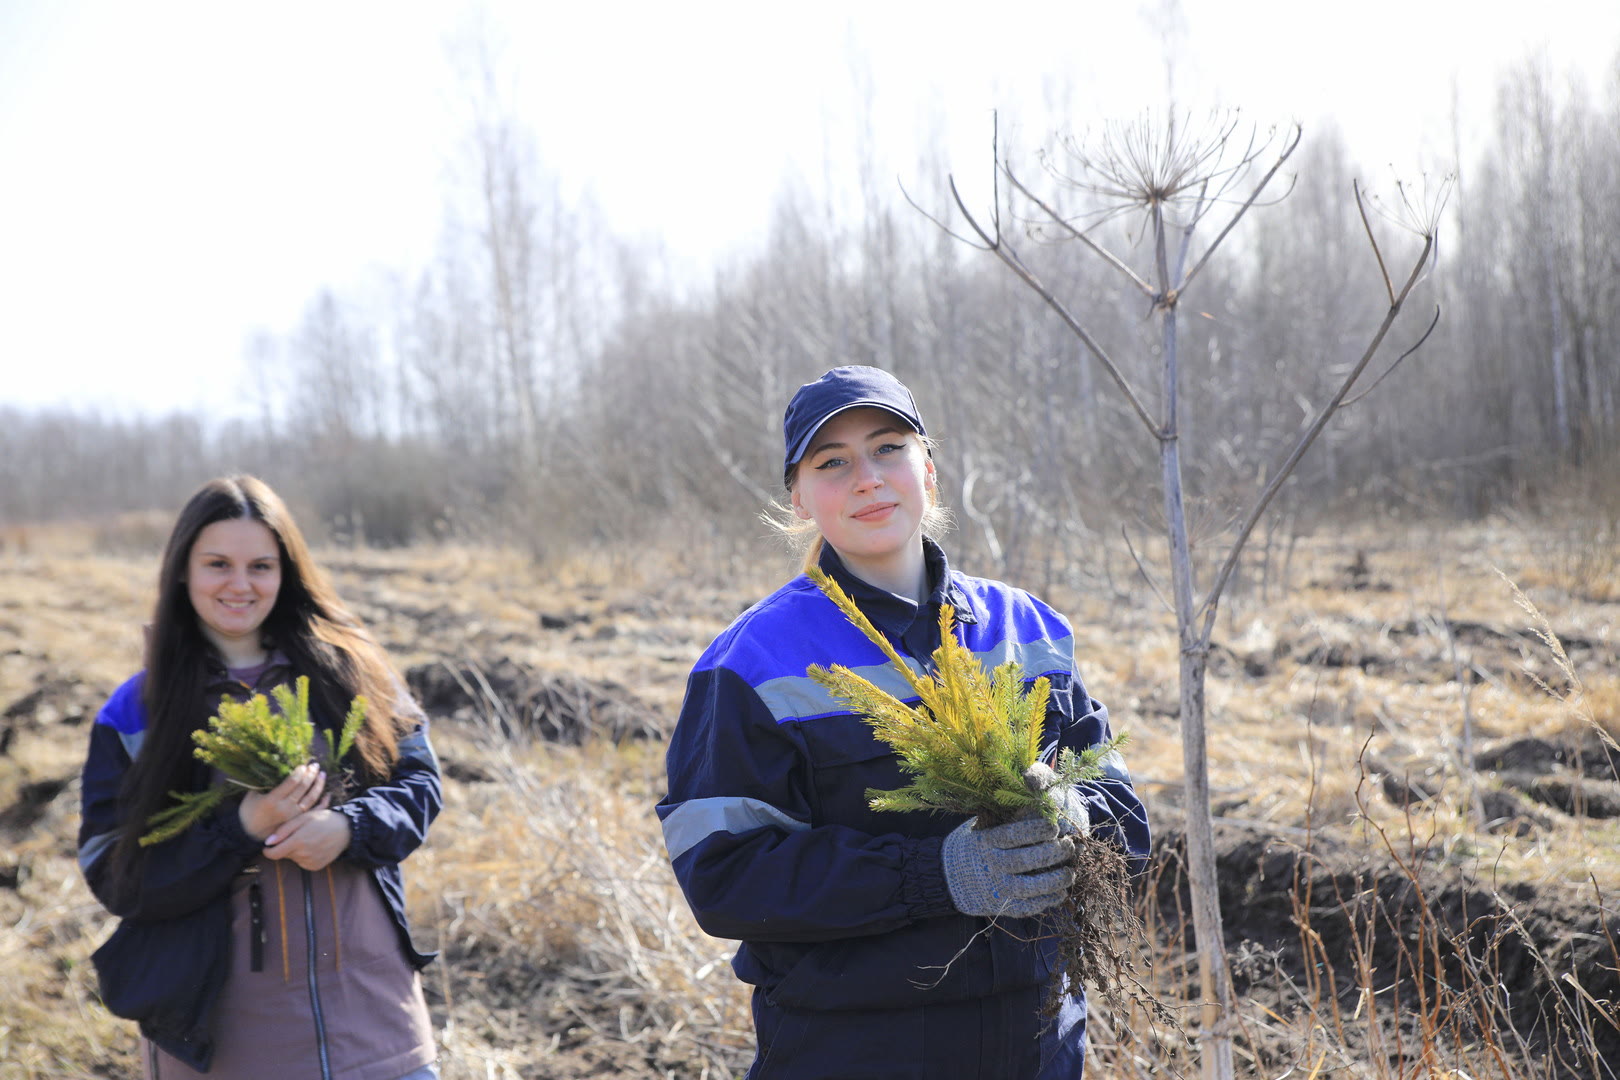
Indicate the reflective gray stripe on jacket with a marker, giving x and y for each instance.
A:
(694, 819)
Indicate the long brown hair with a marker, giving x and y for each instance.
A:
(308, 622)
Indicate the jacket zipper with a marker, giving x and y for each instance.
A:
(314, 988)
(255, 925)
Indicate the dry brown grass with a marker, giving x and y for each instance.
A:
(553, 901)
(566, 943)
(50, 1022)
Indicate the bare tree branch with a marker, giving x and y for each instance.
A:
(1199, 210)
(944, 228)
(1010, 258)
(1361, 207)
(735, 470)
(1142, 569)
(987, 242)
(1396, 363)
(1207, 609)
(1244, 209)
(1081, 235)
(1135, 173)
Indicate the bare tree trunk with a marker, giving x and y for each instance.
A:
(1555, 326)
(1214, 978)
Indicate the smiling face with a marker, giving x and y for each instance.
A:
(866, 481)
(233, 576)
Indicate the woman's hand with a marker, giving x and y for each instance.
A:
(311, 840)
(262, 813)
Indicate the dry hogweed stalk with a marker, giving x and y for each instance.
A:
(968, 747)
(254, 747)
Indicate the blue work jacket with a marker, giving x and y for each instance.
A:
(184, 883)
(840, 908)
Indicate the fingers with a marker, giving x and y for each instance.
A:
(1036, 889)
(303, 788)
(310, 787)
(1055, 881)
(311, 840)
(1073, 818)
(294, 783)
(1029, 859)
(1034, 905)
(1020, 833)
(286, 831)
(1023, 895)
(291, 826)
(1040, 777)
(297, 854)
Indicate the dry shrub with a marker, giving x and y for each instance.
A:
(1429, 949)
(1410, 953)
(52, 1026)
(556, 909)
(1574, 526)
(138, 533)
(1452, 970)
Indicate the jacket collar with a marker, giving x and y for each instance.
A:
(946, 587)
(894, 613)
(275, 668)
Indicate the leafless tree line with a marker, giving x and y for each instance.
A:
(543, 381)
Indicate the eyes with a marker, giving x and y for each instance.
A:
(836, 461)
(258, 566)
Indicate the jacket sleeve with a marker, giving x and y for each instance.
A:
(1117, 812)
(169, 879)
(390, 820)
(739, 825)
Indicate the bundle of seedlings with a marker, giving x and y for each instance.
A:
(254, 747)
(972, 745)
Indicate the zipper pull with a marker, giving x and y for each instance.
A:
(255, 926)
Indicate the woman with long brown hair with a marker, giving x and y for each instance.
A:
(269, 939)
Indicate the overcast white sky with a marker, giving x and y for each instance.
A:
(178, 174)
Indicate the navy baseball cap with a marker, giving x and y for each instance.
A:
(842, 388)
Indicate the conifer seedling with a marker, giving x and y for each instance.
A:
(254, 747)
(970, 741)
(968, 746)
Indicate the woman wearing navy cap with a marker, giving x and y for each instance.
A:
(878, 944)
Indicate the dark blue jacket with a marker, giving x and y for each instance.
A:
(840, 907)
(184, 883)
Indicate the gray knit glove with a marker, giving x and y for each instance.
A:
(1017, 869)
(1073, 818)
